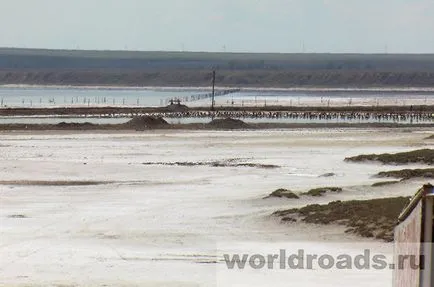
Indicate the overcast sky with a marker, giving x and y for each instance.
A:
(365, 26)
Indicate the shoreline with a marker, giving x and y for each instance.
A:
(182, 109)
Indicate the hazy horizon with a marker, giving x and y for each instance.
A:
(274, 26)
(210, 52)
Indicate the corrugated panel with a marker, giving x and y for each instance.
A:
(408, 236)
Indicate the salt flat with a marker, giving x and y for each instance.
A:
(169, 225)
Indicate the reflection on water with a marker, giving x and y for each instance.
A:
(38, 97)
(54, 97)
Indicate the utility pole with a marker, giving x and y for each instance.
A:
(213, 91)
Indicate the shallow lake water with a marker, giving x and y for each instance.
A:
(155, 97)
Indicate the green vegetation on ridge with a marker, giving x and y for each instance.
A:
(321, 191)
(408, 173)
(368, 218)
(416, 156)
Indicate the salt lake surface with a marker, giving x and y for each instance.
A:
(81, 97)
(162, 225)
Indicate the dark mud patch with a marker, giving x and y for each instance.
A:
(329, 174)
(418, 156)
(147, 122)
(52, 183)
(17, 216)
(374, 218)
(226, 163)
(384, 183)
(322, 191)
(195, 126)
(255, 165)
(405, 174)
(229, 124)
(431, 137)
(283, 193)
(177, 107)
(76, 126)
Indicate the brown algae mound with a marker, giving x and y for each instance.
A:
(417, 156)
(431, 137)
(283, 193)
(147, 122)
(228, 124)
(321, 191)
(408, 173)
(374, 218)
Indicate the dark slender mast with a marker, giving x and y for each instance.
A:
(213, 91)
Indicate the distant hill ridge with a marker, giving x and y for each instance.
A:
(125, 68)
